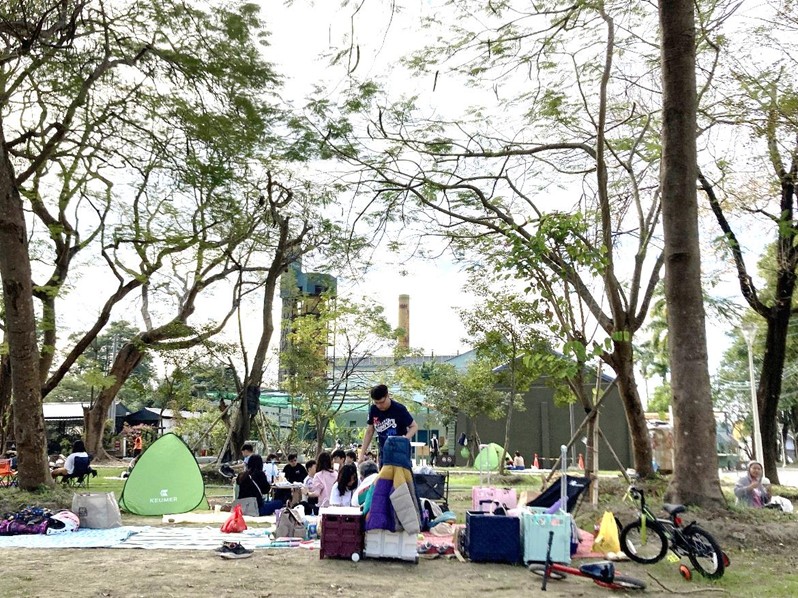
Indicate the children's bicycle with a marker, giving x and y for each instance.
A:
(648, 539)
(602, 573)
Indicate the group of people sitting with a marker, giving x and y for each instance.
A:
(515, 463)
(329, 480)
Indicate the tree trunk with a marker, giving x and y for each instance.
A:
(622, 363)
(769, 391)
(5, 400)
(695, 479)
(20, 320)
(129, 356)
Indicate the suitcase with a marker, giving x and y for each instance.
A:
(535, 528)
(537, 522)
(487, 498)
(491, 538)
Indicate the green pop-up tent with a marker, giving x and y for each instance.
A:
(489, 457)
(165, 480)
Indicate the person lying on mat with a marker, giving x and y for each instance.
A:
(252, 483)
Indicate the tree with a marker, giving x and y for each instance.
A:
(732, 380)
(450, 392)
(31, 33)
(507, 331)
(89, 375)
(757, 192)
(321, 383)
(695, 478)
(484, 178)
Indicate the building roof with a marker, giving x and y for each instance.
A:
(73, 411)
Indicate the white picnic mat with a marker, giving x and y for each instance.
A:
(192, 538)
(83, 538)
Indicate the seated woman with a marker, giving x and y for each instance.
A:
(518, 461)
(324, 480)
(78, 451)
(751, 489)
(252, 483)
(341, 494)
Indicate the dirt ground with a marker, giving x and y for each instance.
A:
(300, 573)
(761, 545)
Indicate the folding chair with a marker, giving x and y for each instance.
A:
(8, 477)
(79, 478)
(575, 488)
(434, 486)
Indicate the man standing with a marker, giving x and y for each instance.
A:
(388, 418)
(433, 450)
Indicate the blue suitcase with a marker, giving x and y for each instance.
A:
(492, 538)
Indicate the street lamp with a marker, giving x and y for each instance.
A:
(749, 334)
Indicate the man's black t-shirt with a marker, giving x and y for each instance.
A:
(394, 421)
(295, 473)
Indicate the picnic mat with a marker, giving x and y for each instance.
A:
(83, 538)
(191, 538)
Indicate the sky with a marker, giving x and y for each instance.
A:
(299, 36)
(435, 288)
(380, 38)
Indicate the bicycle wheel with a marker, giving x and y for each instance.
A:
(621, 582)
(704, 553)
(540, 569)
(652, 550)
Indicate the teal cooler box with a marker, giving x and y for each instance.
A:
(492, 538)
(535, 527)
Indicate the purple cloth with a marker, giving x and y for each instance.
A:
(381, 514)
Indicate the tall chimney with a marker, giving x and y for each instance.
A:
(404, 321)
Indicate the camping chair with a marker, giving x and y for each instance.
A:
(8, 477)
(434, 486)
(79, 478)
(576, 486)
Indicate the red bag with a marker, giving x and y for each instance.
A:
(235, 523)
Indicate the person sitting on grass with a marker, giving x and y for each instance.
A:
(518, 461)
(252, 483)
(325, 479)
(341, 494)
(751, 489)
(310, 500)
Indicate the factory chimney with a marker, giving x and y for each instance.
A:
(404, 321)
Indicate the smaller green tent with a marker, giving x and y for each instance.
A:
(489, 457)
(165, 480)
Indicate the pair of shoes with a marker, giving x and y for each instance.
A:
(428, 548)
(233, 550)
(225, 547)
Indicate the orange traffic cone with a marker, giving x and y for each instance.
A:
(535, 463)
(581, 463)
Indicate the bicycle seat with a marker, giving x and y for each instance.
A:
(674, 509)
(602, 570)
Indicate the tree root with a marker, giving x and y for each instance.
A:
(684, 592)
